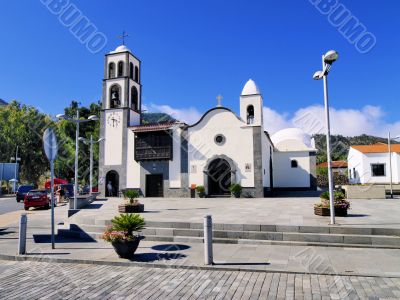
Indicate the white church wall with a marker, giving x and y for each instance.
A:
(238, 146)
(113, 139)
(175, 164)
(287, 177)
(133, 168)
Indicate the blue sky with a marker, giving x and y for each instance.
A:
(191, 51)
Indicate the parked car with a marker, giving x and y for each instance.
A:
(37, 198)
(22, 191)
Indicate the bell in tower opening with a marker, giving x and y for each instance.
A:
(115, 101)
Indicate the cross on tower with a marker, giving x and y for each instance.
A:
(123, 36)
(219, 98)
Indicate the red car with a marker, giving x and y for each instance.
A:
(37, 198)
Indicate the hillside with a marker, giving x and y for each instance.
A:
(2, 102)
(341, 145)
(150, 118)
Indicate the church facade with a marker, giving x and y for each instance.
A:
(168, 159)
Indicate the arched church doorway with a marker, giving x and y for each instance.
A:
(112, 184)
(219, 177)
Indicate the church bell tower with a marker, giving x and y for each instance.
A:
(121, 109)
(251, 104)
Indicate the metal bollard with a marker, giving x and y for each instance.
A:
(22, 234)
(208, 239)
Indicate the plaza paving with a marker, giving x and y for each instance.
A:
(39, 280)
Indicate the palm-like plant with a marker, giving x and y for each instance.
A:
(128, 223)
(131, 195)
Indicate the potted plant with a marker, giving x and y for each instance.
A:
(340, 203)
(123, 234)
(132, 204)
(201, 191)
(236, 190)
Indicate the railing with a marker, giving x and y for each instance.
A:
(153, 153)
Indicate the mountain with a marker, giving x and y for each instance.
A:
(151, 118)
(2, 102)
(341, 144)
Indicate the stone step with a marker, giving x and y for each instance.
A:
(343, 239)
(191, 239)
(336, 229)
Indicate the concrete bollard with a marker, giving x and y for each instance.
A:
(208, 240)
(22, 234)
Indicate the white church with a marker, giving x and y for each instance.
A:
(168, 159)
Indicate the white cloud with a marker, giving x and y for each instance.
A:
(347, 122)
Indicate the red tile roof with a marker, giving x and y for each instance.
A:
(154, 127)
(377, 148)
(335, 164)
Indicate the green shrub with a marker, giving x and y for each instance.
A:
(235, 188)
(131, 195)
(128, 223)
(200, 189)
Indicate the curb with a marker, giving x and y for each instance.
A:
(166, 266)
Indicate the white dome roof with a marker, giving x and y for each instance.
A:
(250, 88)
(121, 48)
(292, 139)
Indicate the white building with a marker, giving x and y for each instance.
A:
(371, 164)
(167, 159)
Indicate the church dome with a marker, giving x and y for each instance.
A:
(121, 48)
(292, 139)
(250, 88)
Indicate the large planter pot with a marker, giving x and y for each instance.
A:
(126, 208)
(323, 211)
(126, 249)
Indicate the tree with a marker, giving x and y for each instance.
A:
(23, 126)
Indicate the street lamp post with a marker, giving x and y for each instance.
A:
(327, 60)
(17, 159)
(77, 121)
(390, 162)
(91, 142)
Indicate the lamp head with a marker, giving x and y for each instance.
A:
(330, 57)
(61, 116)
(101, 139)
(318, 75)
(82, 139)
(93, 118)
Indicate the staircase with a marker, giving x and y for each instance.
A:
(182, 232)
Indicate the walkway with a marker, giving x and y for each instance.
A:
(38, 280)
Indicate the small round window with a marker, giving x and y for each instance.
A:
(219, 139)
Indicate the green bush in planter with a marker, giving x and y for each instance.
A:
(128, 223)
(201, 191)
(236, 189)
(131, 195)
(339, 200)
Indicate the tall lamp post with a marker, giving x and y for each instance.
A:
(16, 159)
(91, 143)
(390, 162)
(77, 121)
(327, 60)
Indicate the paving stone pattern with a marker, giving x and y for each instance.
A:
(40, 280)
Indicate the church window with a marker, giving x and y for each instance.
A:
(120, 69)
(134, 98)
(219, 139)
(250, 114)
(115, 100)
(131, 70)
(111, 70)
(294, 163)
(136, 74)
